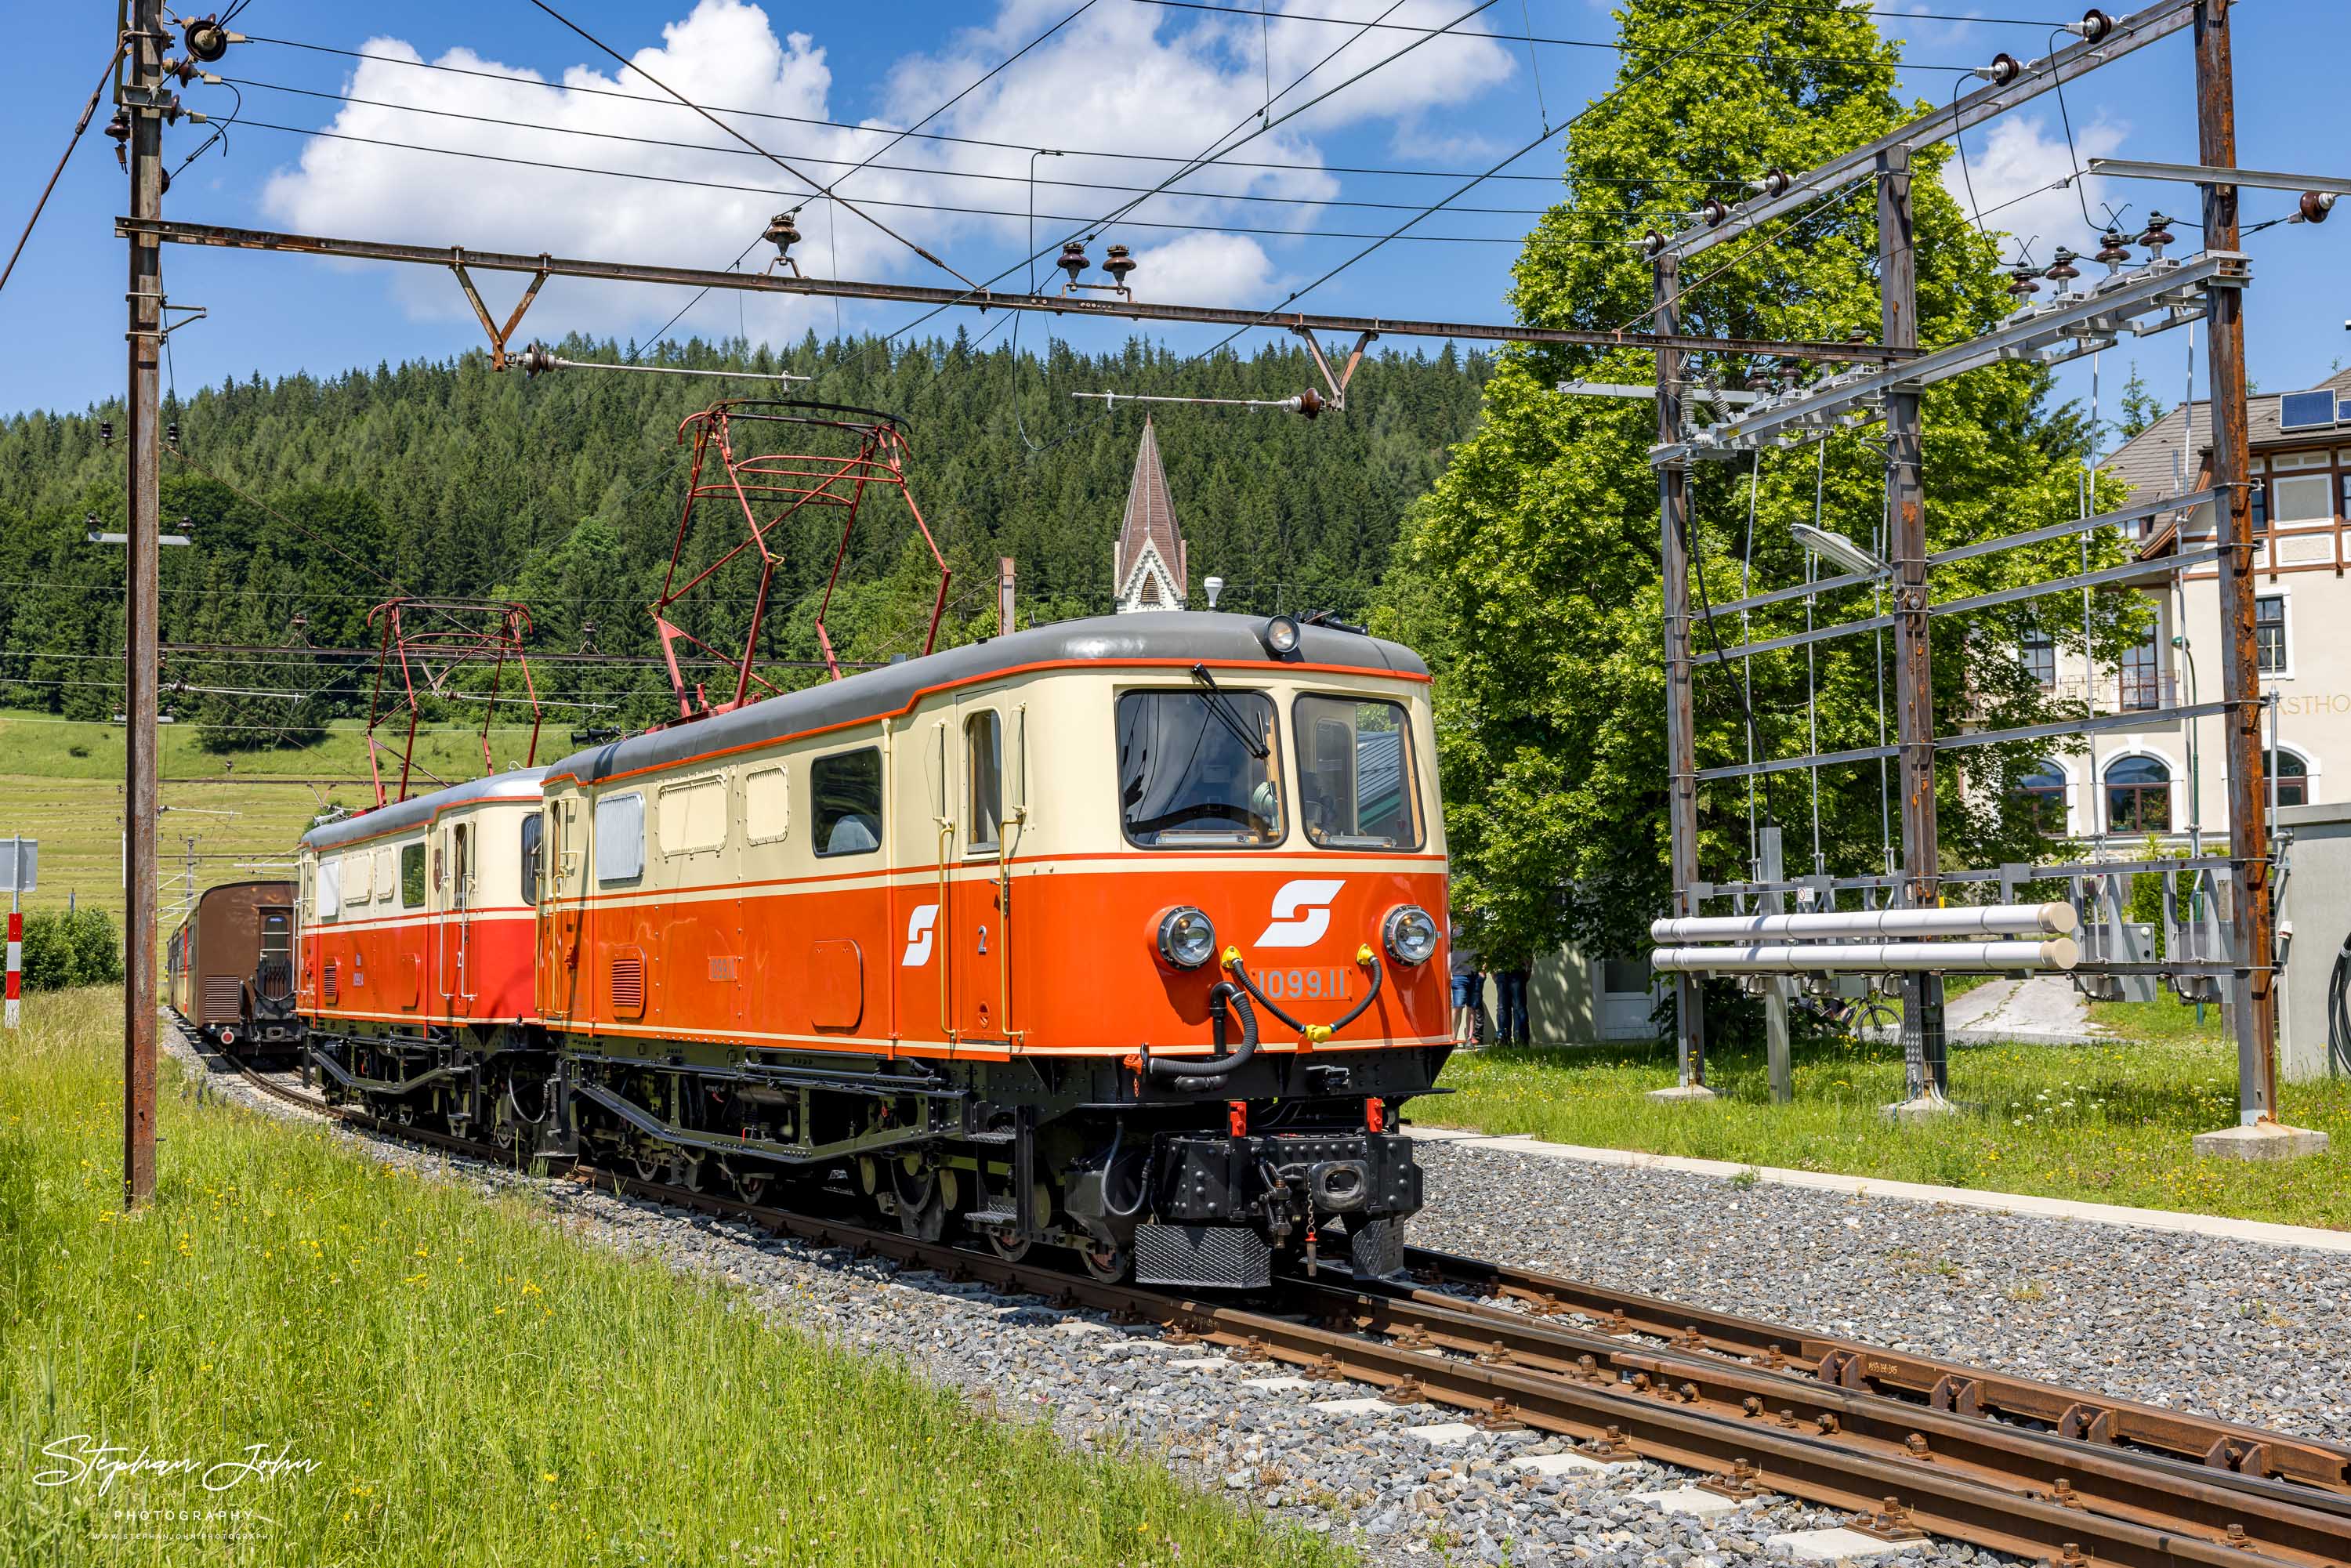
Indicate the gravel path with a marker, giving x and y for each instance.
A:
(2226, 1328)
(1866, 1267)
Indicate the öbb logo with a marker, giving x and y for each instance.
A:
(918, 937)
(1302, 913)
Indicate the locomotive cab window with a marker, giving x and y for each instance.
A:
(1198, 768)
(1354, 774)
(983, 735)
(330, 889)
(411, 875)
(619, 837)
(845, 792)
(532, 827)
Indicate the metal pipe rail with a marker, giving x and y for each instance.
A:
(1869, 958)
(2052, 919)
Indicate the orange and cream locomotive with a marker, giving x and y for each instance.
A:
(1119, 934)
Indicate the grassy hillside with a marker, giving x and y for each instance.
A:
(61, 782)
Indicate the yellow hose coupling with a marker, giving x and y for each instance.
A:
(1316, 1033)
(1232, 955)
(1363, 953)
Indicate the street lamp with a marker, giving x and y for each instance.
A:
(1835, 547)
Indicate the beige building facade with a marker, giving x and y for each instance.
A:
(2169, 777)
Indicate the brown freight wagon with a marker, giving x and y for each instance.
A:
(230, 966)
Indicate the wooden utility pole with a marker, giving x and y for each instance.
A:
(1924, 1072)
(1007, 580)
(2254, 994)
(1681, 735)
(143, 102)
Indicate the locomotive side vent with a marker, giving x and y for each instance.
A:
(629, 985)
(327, 988)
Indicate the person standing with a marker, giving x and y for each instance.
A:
(1511, 1002)
(1469, 988)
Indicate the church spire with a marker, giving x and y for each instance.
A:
(1147, 563)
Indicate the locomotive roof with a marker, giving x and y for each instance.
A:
(1149, 637)
(521, 784)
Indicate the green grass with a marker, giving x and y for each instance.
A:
(2109, 1124)
(472, 1385)
(241, 807)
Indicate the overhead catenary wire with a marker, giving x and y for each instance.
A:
(823, 190)
(1088, 224)
(1528, 38)
(1021, 147)
(928, 171)
(1548, 133)
(71, 142)
(1225, 144)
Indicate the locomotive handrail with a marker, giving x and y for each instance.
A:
(1313, 1033)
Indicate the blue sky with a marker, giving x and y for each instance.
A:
(1129, 77)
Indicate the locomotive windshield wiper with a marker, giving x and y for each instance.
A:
(1214, 696)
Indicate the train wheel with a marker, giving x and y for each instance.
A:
(1010, 1249)
(1103, 1260)
(750, 1186)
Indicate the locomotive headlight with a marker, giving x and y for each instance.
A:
(1410, 934)
(1282, 636)
(1188, 939)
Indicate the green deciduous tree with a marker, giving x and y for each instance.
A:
(1532, 572)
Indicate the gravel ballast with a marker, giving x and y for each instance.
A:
(1867, 1267)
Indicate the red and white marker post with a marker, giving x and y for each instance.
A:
(16, 962)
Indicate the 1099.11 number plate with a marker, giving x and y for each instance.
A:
(1306, 985)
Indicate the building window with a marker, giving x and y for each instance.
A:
(2039, 653)
(2289, 778)
(2269, 632)
(2259, 493)
(2139, 796)
(2041, 793)
(2142, 675)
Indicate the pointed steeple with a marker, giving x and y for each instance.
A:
(1148, 563)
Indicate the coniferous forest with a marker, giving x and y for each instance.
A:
(310, 500)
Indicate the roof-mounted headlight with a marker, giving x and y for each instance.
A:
(1281, 637)
(1188, 938)
(1410, 934)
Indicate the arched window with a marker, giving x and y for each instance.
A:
(2289, 778)
(2041, 793)
(2139, 796)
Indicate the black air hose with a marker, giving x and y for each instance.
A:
(1216, 1066)
(1315, 1032)
(2338, 1010)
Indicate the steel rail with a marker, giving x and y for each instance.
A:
(1685, 1404)
(1954, 1433)
(982, 299)
(1853, 1364)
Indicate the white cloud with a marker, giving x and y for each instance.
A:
(2015, 162)
(1123, 78)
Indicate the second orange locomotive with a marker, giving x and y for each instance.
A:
(1119, 935)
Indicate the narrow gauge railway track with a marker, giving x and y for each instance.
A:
(1942, 1385)
(1905, 1469)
